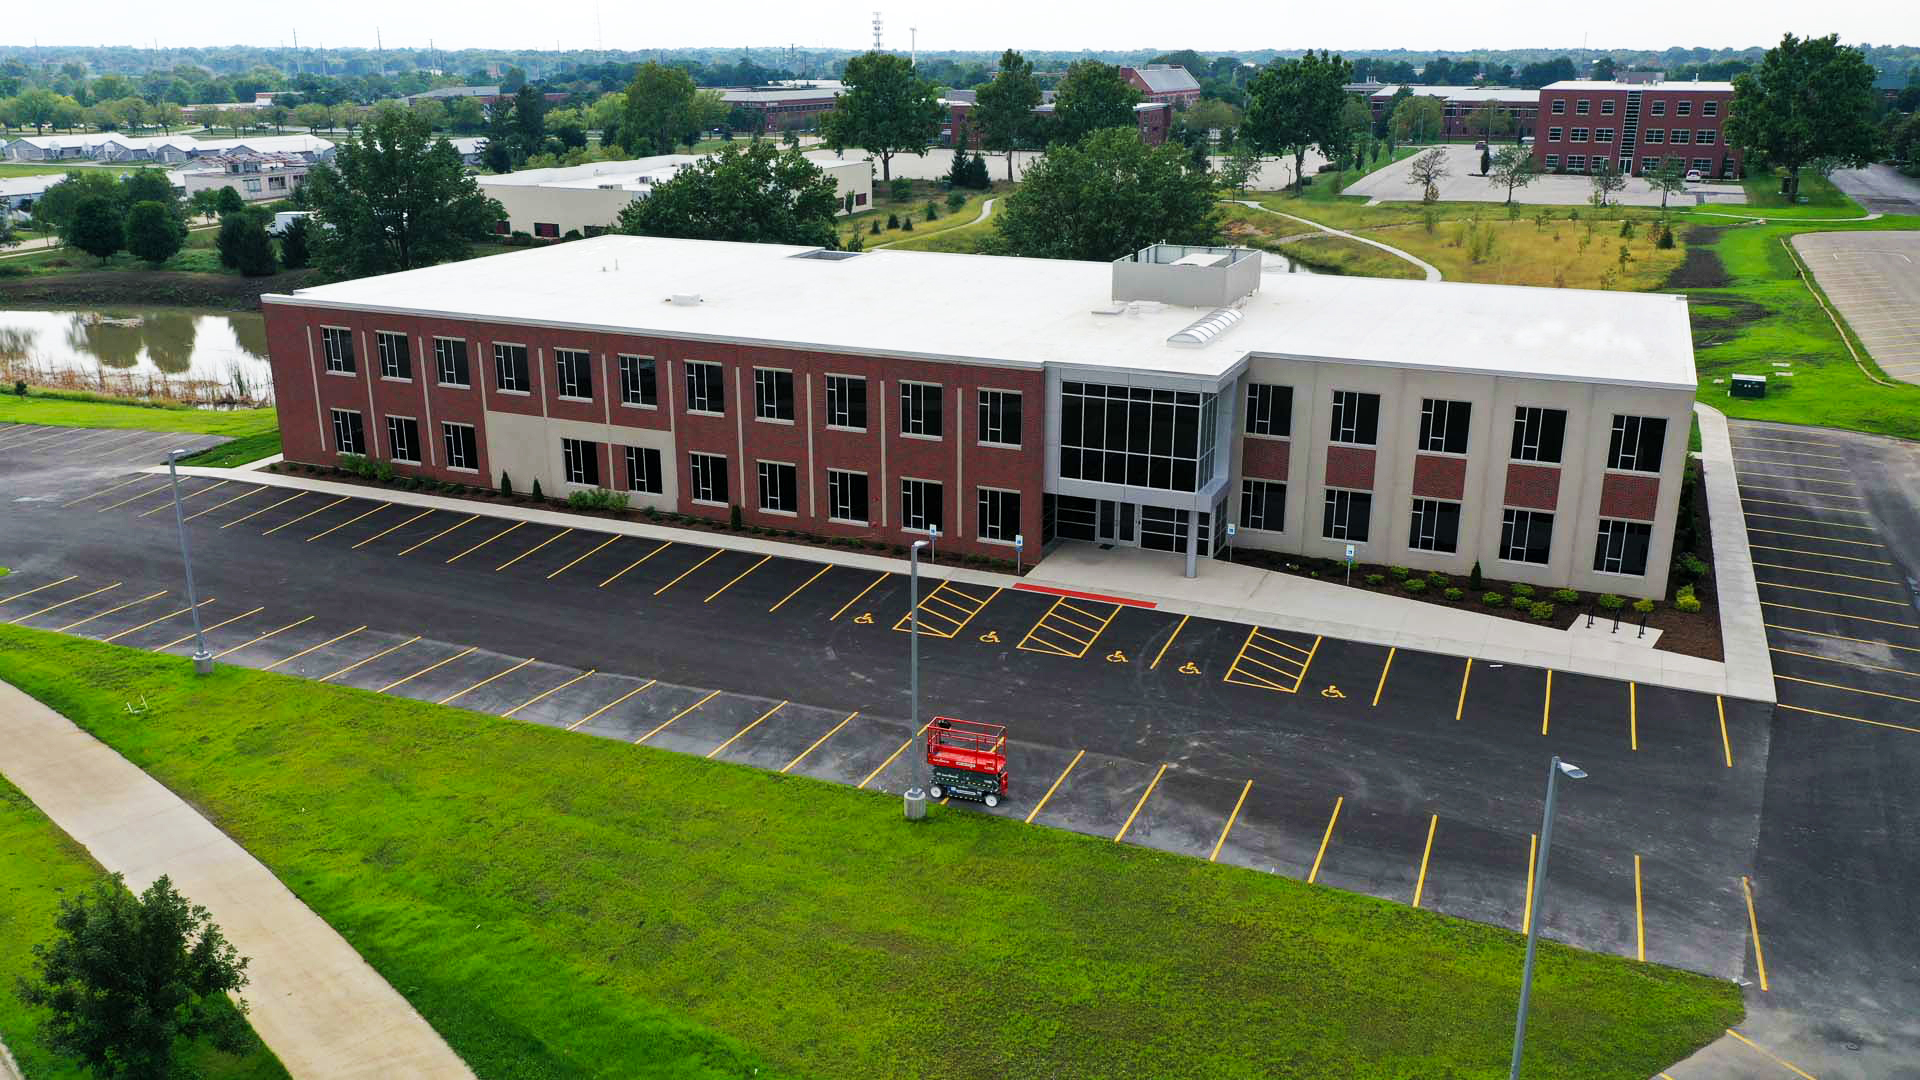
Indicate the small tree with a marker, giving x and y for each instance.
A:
(127, 977)
(1486, 161)
(205, 203)
(1426, 172)
(1606, 181)
(1668, 180)
(153, 233)
(1513, 167)
(293, 244)
(243, 243)
(1238, 168)
(228, 201)
(95, 227)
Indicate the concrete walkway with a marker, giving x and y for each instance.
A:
(986, 210)
(315, 1002)
(1432, 271)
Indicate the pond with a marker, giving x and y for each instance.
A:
(205, 357)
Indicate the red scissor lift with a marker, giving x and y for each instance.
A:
(966, 760)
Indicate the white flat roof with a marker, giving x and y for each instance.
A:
(1034, 312)
(1614, 84)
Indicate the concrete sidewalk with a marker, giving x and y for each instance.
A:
(315, 1002)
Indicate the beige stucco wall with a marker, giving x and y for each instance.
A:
(526, 447)
(569, 208)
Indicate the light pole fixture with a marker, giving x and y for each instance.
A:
(202, 659)
(913, 635)
(1554, 771)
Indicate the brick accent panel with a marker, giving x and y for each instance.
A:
(1350, 467)
(1533, 487)
(1439, 477)
(1266, 458)
(1633, 497)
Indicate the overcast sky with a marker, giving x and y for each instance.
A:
(980, 24)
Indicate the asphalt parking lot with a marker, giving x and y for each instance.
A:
(1411, 776)
(1874, 279)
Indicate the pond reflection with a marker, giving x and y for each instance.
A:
(202, 356)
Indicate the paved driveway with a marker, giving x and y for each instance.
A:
(1881, 188)
(1391, 183)
(1874, 279)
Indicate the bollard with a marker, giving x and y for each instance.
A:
(916, 804)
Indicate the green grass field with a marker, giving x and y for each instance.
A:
(39, 866)
(564, 906)
(255, 432)
(197, 255)
(20, 168)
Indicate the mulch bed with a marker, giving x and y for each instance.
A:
(1702, 268)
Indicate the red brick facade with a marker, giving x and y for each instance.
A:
(956, 459)
(1579, 126)
(1153, 124)
(1629, 496)
(1266, 459)
(1436, 477)
(1532, 487)
(1350, 467)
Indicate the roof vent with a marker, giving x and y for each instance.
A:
(684, 299)
(1217, 322)
(826, 255)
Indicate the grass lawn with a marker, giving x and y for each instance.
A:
(1823, 199)
(255, 432)
(20, 168)
(562, 906)
(1543, 247)
(1339, 255)
(197, 255)
(39, 866)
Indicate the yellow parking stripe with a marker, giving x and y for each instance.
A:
(164, 485)
(305, 516)
(783, 600)
(1794, 465)
(487, 541)
(1803, 506)
(370, 659)
(816, 743)
(1820, 554)
(313, 648)
(1325, 839)
(103, 491)
(250, 492)
(736, 581)
(262, 637)
(1813, 536)
(208, 630)
(391, 528)
(1838, 615)
(892, 756)
(1546, 703)
(1533, 860)
(449, 699)
(575, 726)
(184, 498)
(1238, 803)
(1848, 689)
(1170, 637)
(1753, 923)
(264, 509)
(336, 528)
(48, 585)
(1639, 912)
(1034, 643)
(1381, 686)
(1808, 521)
(716, 750)
(1778, 1060)
(1057, 781)
(64, 603)
(438, 535)
(856, 597)
(676, 716)
(1420, 884)
(616, 577)
(1789, 453)
(1726, 745)
(1466, 673)
(1855, 719)
(532, 549)
(109, 611)
(1848, 663)
(1151, 784)
(1825, 573)
(545, 694)
(582, 558)
(1796, 491)
(429, 667)
(1633, 714)
(151, 622)
(1830, 592)
(712, 555)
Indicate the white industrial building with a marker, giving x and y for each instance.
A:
(550, 203)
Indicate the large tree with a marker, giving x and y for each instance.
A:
(1105, 196)
(1090, 97)
(659, 107)
(1417, 118)
(127, 978)
(395, 198)
(153, 231)
(529, 122)
(1295, 104)
(95, 226)
(1513, 167)
(886, 109)
(1003, 110)
(1809, 103)
(754, 192)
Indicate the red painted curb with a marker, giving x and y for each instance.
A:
(1077, 595)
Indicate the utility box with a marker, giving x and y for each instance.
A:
(1748, 386)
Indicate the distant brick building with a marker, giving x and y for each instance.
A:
(1460, 106)
(1167, 84)
(1154, 119)
(1639, 127)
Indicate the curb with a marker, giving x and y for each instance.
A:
(1743, 641)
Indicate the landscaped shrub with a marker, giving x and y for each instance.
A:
(733, 517)
(1540, 612)
(1566, 596)
(906, 223)
(598, 499)
(1644, 606)
(19, 388)
(893, 221)
(1523, 591)
(1399, 572)
(506, 485)
(1454, 593)
(1689, 567)
(535, 493)
(1376, 579)
(1493, 599)
(932, 213)
(876, 227)
(354, 464)
(955, 200)
(1685, 601)
(1611, 602)
(900, 188)
(1438, 581)
(1415, 585)
(1473, 579)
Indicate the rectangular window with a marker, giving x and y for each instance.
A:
(847, 402)
(1559, 107)
(582, 461)
(1704, 165)
(1682, 137)
(1263, 505)
(253, 186)
(1683, 108)
(1356, 418)
(575, 369)
(847, 496)
(1603, 135)
(1656, 135)
(1704, 137)
(1636, 443)
(1436, 526)
(709, 473)
(1579, 135)
(349, 435)
(1622, 548)
(706, 387)
(1526, 536)
(772, 394)
(1553, 162)
(395, 362)
(1659, 108)
(920, 409)
(1649, 166)
(1576, 163)
(638, 385)
(1137, 436)
(450, 355)
(922, 506)
(1443, 426)
(1606, 107)
(547, 229)
(643, 471)
(1554, 133)
(999, 514)
(1582, 107)
(1000, 417)
(510, 369)
(463, 451)
(779, 487)
(1347, 515)
(337, 343)
(403, 439)
(1538, 434)
(1269, 410)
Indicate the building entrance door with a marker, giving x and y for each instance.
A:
(1117, 523)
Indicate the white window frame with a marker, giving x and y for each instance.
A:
(636, 458)
(446, 433)
(982, 499)
(440, 362)
(762, 468)
(1682, 137)
(908, 388)
(1246, 504)
(835, 493)
(1345, 527)
(715, 466)
(1709, 108)
(1558, 107)
(766, 399)
(1263, 415)
(907, 520)
(1656, 136)
(526, 354)
(693, 368)
(1508, 520)
(981, 405)
(1583, 106)
(1419, 540)
(1658, 108)
(1554, 134)
(383, 340)
(866, 401)
(561, 376)
(573, 453)
(1683, 108)
(1578, 134)
(335, 416)
(639, 383)
(1610, 546)
(393, 444)
(1706, 137)
(338, 363)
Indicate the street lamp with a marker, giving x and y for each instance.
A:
(202, 659)
(913, 635)
(1573, 772)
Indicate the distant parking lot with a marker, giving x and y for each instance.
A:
(1392, 183)
(1874, 279)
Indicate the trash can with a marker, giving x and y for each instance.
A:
(916, 804)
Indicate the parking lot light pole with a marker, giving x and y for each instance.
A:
(202, 659)
(1573, 772)
(913, 636)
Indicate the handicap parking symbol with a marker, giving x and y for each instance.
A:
(1189, 668)
(1332, 691)
(1116, 657)
(865, 618)
(991, 637)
